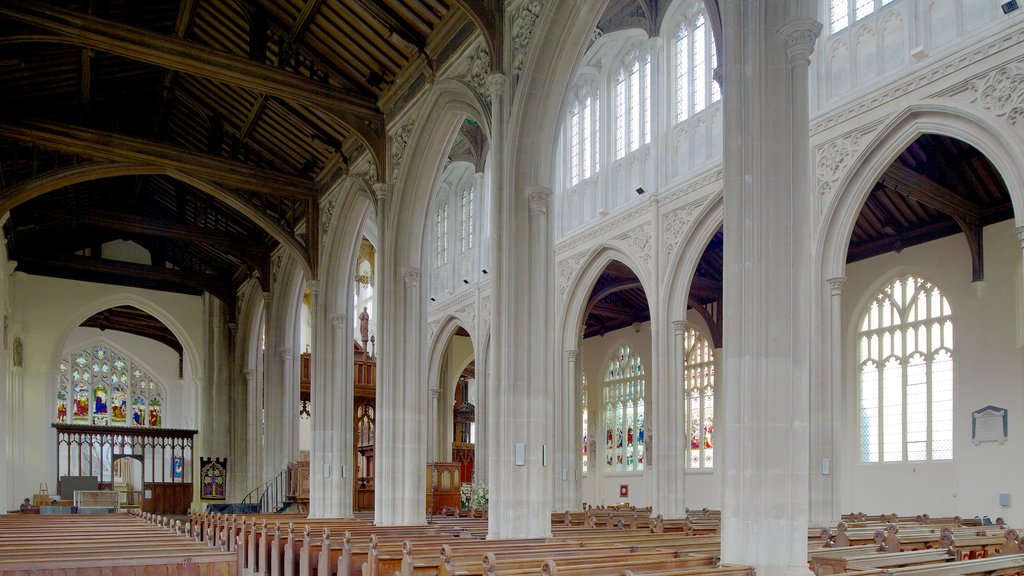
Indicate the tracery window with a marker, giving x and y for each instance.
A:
(633, 104)
(624, 412)
(699, 384)
(695, 61)
(103, 387)
(905, 365)
(842, 12)
(584, 133)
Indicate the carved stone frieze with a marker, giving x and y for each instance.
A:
(467, 314)
(630, 216)
(477, 69)
(832, 159)
(485, 313)
(326, 214)
(523, 24)
(676, 222)
(432, 329)
(1001, 92)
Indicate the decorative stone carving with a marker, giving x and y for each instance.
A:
(800, 36)
(1001, 92)
(572, 355)
(286, 353)
(676, 222)
(523, 23)
(496, 84)
(338, 321)
(567, 271)
(432, 329)
(467, 314)
(399, 142)
(835, 284)
(411, 276)
(485, 313)
(1020, 235)
(326, 214)
(638, 242)
(478, 68)
(539, 198)
(275, 265)
(832, 159)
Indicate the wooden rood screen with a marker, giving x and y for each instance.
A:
(164, 455)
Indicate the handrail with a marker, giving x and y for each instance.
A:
(271, 496)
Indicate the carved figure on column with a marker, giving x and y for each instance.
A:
(364, 326)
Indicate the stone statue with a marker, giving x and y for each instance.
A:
(364, 326)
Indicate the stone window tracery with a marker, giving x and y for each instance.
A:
(101, 386)
(699, 390)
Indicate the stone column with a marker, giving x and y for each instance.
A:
(401, 452)
(767, 331)
(437, 440)
(330, 468)
(254, 429)
(568, 474)
(668, 440)
(289, 404)
(832, 474)
(215, 410)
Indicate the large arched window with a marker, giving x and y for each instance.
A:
(699, 381)
(695, 60)
(101, 386)
(624, 412)
(584, 131)
(633, 103)
(905, 370)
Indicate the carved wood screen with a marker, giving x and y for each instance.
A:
(166, 456)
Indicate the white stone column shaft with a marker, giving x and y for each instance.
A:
(568, 475)
(767, 288)
(669, 440)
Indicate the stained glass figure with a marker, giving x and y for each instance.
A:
(139, 411)
(119, 404)
(62, 406)
(699, 397)
(100, 383)
(81, 402)
(155, 414)
(624, 411)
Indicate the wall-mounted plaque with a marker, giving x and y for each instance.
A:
(989, 424)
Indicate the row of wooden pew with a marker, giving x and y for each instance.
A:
(889, 545)
(278, 545)
(118, 545)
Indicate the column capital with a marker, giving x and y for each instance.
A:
(250, 374)
(286, 352)
(679, 326)
(572, 355)
(800, 36)
(266, 297)
(496, 83)
(835, 285)
(381, 189)
(411, 276)
(313, 286)
(434, 393)
(540, 197)
(1020, 234)
(338, 321)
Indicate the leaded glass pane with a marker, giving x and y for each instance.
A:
(699, 65)
(620, 115)
(624, 411)
(682, 61)
(840, 15)
(699, 381)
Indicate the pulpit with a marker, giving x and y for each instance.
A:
(443, 486)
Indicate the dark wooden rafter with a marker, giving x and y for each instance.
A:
(248, 250)
(967, 214)
(711, 317)
(358, 112)
(90, 269)
(114, 147)
(183, 25)
(489, 17)
(134, 321)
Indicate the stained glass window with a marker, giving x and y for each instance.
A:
(699, 384)
(905, 366)
(624, 416)
(100, 381)
(585, 450)
(695, 62)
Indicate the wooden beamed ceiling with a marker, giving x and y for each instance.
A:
(200, 130)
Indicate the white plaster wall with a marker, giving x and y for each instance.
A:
(599, 486)
(48, 309)
(159, 360)
(988, 370)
